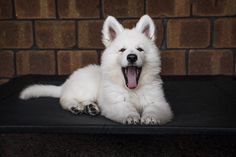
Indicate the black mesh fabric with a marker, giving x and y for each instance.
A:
(201, 104)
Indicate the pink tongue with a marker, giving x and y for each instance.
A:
(131, 76)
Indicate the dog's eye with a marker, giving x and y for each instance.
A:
(122, 50)
(139, 49)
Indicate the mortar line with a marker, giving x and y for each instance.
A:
(187, 61)
(56, 10)
(101, 9)
(13, 10)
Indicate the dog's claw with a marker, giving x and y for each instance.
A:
(149, 120)
(132, 120)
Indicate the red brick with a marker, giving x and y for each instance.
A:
(15, 34)
(168, 8)
(35, 62)
(69, 61)
(5, 9)
(6, 64)
(225, 33)
(2, 81)
(78, 8)
(159, 29)
(35, 9)
(210, 62)
(173, 62)
(214, 7)
(123, 8)
(90, 34)
(188, 33)
(55, 34)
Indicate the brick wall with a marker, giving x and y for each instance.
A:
(196, 37)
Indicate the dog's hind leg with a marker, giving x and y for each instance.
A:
(80, 90)
(72, 105)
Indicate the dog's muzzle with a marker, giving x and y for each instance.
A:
(131, 72)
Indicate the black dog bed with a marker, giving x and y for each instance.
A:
(201, 104)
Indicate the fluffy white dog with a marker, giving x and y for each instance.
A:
(126, 87)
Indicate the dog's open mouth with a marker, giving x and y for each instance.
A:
(131, 75)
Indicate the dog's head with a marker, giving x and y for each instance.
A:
(130, 53)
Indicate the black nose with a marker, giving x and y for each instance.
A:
(132, 58)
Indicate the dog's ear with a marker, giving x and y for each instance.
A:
(111, 28)
(146, 25)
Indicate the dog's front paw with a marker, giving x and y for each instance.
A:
(132, 120)
(150, 120)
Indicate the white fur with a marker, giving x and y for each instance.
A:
(111, 24)
(105, 84)
(41, 90)
(146, 26)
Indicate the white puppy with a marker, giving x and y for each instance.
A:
(127, 86)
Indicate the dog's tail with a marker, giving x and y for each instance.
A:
(38, 90)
